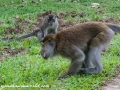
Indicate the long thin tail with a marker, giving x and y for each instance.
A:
(26, 36)
(22, 37)
(114, 27)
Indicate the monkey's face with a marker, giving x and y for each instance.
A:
(52, 19)
(48, 48)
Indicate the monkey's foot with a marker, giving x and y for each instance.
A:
(82, 71)
(90, 70)
(63, 77)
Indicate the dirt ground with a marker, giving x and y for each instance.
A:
(112, 84)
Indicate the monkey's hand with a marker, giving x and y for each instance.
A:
(63, 77)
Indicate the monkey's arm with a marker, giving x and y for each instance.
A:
(39, 35)
(76, 63)
(45, 32)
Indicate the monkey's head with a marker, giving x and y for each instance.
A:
(48, 47)
(51, 19)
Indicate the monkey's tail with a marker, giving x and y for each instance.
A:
(22, 37)
(26, 36)
(114, 27)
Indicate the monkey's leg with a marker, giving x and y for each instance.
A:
(76, 63)
(105, 49)
(88, 63)
(99, 43)
(94, 56)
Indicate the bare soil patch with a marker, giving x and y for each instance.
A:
(1, 23)
(15, 30)
(8, 52)
(5, 37)
(21, 25)
(113, 83)
(111, 20)
(12, 52)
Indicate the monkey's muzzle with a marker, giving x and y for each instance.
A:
(42, 53)
(50, 23)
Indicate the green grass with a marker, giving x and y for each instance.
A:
(30, 68)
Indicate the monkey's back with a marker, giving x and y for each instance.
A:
(79, 35)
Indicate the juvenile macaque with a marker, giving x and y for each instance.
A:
(82, 43)
(49, 25)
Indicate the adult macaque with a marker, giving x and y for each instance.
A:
(49, 25)
(82, 43)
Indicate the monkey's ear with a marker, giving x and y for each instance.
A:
(51, 42)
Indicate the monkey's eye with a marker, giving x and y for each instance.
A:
(53, 20)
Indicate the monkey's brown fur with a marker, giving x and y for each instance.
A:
(80, 34)
(83, 42)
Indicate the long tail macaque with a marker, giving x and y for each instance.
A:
(82, 43)
(49, 25)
